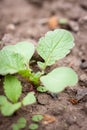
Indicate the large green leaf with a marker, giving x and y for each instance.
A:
(11, 62)
(29, 99)
(55, 45)
(59, 78)
(25, 49)
(12, 88)
(7, 108)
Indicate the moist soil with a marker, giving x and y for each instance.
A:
(28, 20)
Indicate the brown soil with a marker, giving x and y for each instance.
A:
(23, 20)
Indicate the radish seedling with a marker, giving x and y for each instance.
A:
(21, 123)
(54, 46)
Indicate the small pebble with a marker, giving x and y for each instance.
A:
(83, 65)
(58, 110)
(10, 27)
(83, 80)
(81, 94)
(74, 26)
(43, 99)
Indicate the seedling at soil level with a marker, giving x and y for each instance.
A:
(54, 46)
(21, 123)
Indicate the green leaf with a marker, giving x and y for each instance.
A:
(55, 45)
(12, 88)
(25, 49)
(15, 127)
(33, 126)
(41, 89)
(37, 118)
(59, 78)
(7, 109)
(29, 99)
(10, 62)
(3, 100)
(63, 21)
(21, 123)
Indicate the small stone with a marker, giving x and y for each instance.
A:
(16, 21)
(83, 65)
(74, 26)
(10, 27)
(43, 99)
(83, 23)
(81, 94)
(83, 80)
(58, 110)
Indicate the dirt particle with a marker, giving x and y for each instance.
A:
(43, 99)
(83, 80)
(83, 65)
(81, 94)
(74, 26)
(48, 119)
(10, 27)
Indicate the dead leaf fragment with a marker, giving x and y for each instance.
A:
(47, 119)
(53, 22)
(73, 101)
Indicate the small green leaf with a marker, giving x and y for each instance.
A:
(25, 49)
(15, 127)
(59, 78)
(10, 62)
(12, 88)
(7, 109)
(63, 21)
(29, 99)
(37, 118)
(33, 126)
(55, 45)
(21, 123)
(41, 89)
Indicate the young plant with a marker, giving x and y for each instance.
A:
(37, 118)
(33, 126)
(54, 46)
(13, 90)
(21, 123)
